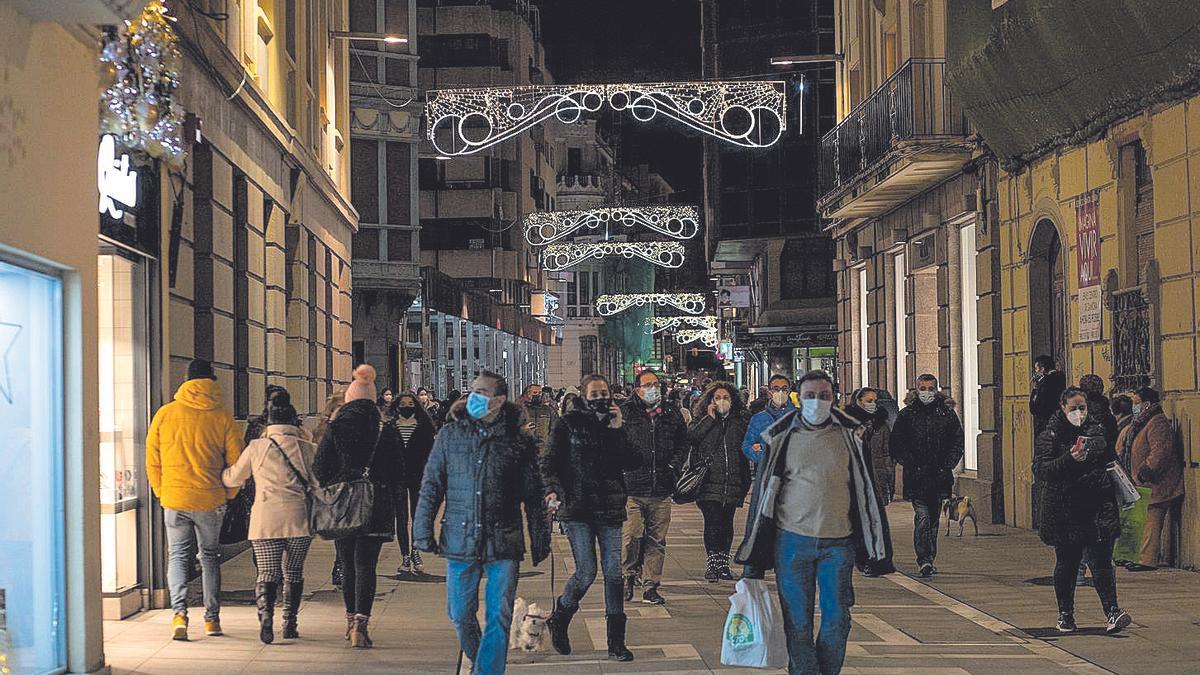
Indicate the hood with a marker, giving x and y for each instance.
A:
(201, 394)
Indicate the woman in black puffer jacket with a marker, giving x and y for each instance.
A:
(1079, 514)
(583, 468)
(719, 421)
(347, 448)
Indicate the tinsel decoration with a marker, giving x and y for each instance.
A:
(141, 60)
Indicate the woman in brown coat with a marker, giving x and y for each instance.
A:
(1148, 447)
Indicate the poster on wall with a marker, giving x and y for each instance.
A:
(1087, 255)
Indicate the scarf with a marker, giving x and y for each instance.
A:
(1135, 427)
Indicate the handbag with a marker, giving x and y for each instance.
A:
(235, 524)
(1125, 491)
(691, 476)
(338, 510)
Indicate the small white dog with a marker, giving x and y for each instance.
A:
(528, 632)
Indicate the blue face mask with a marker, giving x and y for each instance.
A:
(477, 405)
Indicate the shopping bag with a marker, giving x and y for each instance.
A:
(753, 634)
(1133, 520)
(1123, 488)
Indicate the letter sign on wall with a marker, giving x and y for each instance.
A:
(115, 182)
(1087, 255)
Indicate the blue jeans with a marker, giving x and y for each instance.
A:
(489, 650)
(184, 530)
(584, 537)
(802, 566)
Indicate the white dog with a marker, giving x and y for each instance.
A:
(528, 632)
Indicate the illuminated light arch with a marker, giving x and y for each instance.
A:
(608, 305)
(751, 114)
(659, 324)
(708, 336)
(547, 227)
(558, 257)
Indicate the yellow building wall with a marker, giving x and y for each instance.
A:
(1047, 189)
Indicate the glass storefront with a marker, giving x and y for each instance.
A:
(124, 385)
(805, 359)
(32, 623)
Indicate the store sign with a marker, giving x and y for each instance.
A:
(117, 184)
(733, 296)
(725, 350)
(1087, 255)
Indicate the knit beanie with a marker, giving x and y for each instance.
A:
(200, 369)
(280, 410)
(363, 385)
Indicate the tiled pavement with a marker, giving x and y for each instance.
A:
(901, 625)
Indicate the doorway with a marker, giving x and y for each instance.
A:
(1047, 321)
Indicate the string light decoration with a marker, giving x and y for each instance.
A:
(610, 304)
(547, 227)
(708, 336)
(751, 114)
(141, 60)
(558, 257)
(659, 324)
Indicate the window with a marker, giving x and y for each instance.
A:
(970, 348)
(365, 244)
(364, 179)
(806, 267)
(399, 245)
(587, 354)
(1143, 220)
(574, 161)
(399, 182)
(362, 18)
(898, 287)
(265, 32)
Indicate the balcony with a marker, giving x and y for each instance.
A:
(906, 137)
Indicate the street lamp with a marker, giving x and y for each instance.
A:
(806, 58)
(374, 37)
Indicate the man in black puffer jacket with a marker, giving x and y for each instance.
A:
(485, 467)
(582, 466)
(928, 442)
(657, 432)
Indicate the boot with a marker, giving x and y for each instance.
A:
(629, 581)
(349, 624)
(724, 572)
(358, 634)
(616, 638)
(264, 599)
(557, 623)
(292, 591)
(712, 568)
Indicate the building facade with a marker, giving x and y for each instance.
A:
(764, 234)
(1097, 205)
(903, 190)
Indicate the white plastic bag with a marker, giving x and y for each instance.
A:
(753, 634)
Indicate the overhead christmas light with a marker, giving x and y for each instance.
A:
(660, 323)
(662, 253)
(689, 335)
(607, 305)
(751, 114)
(547, 227)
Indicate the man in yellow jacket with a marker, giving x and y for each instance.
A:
(191, 441)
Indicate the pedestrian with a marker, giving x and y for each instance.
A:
(280, 461)
(656, 431)
(256, 426)
(764, 399)
(718, 427)
(384, 402)
(824, 519)
(1079, 515)
(484, 467)
(349, 451)
(333, 403)
(568, 404)
(779, 404)
(432, 408)
(408, 433)
(583, 468)
(1122, 409)
(190, 441)
(928, 442)
(445, 406)
(1098, 406)
(876, 436)
(1046, 387)
(539, 416)
(1155, 462)
(680, 399)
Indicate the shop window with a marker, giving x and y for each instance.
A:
(32, 621)
(899, 285)
(970, 348)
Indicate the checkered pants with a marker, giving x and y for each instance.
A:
(271, 565)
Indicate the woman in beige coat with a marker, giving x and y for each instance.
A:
(281, 463)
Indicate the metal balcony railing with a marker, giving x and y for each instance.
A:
(914, 104)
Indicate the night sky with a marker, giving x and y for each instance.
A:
(633, 41)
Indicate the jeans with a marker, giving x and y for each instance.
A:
(489, 651)
(1104, 577)
(403, 525)
(718, 526)
(644, 537)
(584, 537)
(358, 556)
(804, 565)
(926, 523)
(184, 530)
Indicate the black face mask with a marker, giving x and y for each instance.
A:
(600, 406)
(406, 411)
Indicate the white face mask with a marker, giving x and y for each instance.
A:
(815, 410)
(926, 397)
(779, 398)
(1077, 417)
(723, 406)
(651, 394)
(870, 407)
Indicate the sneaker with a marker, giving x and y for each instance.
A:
(405, 564)
(651, 596)
(1118, 620)
(1139, 567)
(628, 589)
(212, 628)
(179, 627)
(927, 571)
(418, 565)
(1066, 622)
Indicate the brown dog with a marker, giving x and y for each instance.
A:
(957, 510)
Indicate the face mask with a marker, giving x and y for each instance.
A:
(1137, 408)
(477, 404)
(1077, 417)
(870, 407)
(599, 406)
(651, 394)
(724, 406)
(815, 410)
(406, 411)
(779, 398)
(926, 397)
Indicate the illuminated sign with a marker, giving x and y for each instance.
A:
(115, 182)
